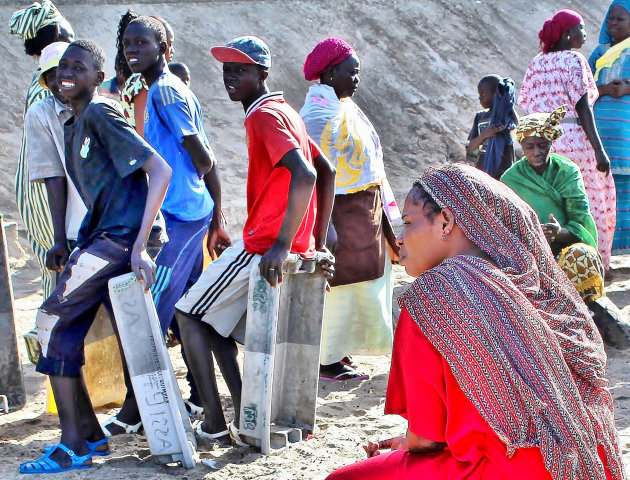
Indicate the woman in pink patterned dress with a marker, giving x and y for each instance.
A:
(560, 76)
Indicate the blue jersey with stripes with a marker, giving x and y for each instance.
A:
(172, 113)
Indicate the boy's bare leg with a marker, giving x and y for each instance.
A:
(129, 412)
(91, 429)
(197, 343)
(226, 352)
(69, 391)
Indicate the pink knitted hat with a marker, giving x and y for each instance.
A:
(328, 52)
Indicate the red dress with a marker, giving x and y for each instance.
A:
(423, 390)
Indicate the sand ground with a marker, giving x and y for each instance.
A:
(349, 414)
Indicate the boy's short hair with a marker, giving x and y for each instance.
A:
(167, 26)
(178, 67)
(491, 81)
(153, 24)
(98, 54)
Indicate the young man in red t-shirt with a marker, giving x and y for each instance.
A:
(290, 192)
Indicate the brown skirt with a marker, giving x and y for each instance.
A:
(363, 233)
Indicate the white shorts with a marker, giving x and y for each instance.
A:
(220, 295)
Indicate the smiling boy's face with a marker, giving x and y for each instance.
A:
(77, 75)
(141, 48)
(50, 77)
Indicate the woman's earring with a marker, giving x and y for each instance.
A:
(446, 233)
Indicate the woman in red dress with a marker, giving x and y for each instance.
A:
(497, 365)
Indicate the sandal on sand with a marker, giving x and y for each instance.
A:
(47, 465)
(348, 361)
(345, 376)
(91, 445)
(210, 439)
(338, 372)
(234, 434)
(125, 426)
(194, 411)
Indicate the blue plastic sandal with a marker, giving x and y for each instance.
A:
(91, 445)
(46, 465)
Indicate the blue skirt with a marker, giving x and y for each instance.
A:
(621, 241)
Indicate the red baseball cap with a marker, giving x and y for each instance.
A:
(245, 49)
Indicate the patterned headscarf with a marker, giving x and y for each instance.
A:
(327, 53)
(28, 21)
(515, 332)
(544, 125)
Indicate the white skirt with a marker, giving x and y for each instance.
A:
(358, 319)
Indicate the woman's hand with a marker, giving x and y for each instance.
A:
(396, 443)
(603, 162)
(551, 229)
(617, 88)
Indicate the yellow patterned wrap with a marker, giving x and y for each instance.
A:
(544, 125)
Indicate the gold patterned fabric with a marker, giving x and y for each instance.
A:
(544, 125)
(583, 265)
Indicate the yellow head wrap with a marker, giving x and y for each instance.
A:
(28, 21)
(544, 125)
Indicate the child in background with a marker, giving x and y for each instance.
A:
(122, 181)
(485, 132)
(181, 70)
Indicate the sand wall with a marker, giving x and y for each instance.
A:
(421, 61)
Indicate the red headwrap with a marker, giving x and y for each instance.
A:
(554, 27)
(328, 52)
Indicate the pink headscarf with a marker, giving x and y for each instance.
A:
(328, 52)
(554, 27)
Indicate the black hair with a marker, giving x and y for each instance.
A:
(153, 24)
(121, 61)
(422, 197)
(490, 81)
(167, 26)
(176, 67)
(43, 37)
(94, 49)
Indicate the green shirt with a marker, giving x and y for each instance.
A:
(559, 191)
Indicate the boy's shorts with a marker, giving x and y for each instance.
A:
(179, 264)
(219, 297)
(65, 317)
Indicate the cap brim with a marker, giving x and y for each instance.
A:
(42, 82)
(230, 55)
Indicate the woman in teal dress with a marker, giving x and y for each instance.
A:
(610, 63)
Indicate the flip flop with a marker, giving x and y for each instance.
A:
(348, 361)
(210, 439)
(234, 434)
(128, 428)
(194, 411)
(47, 465)
(91, 445)
(345, 376)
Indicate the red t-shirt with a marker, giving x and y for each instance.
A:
(274, 128)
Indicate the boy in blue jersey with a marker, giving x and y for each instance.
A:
(122, 182)
(173, 125)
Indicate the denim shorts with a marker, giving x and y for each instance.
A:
(65, 317)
